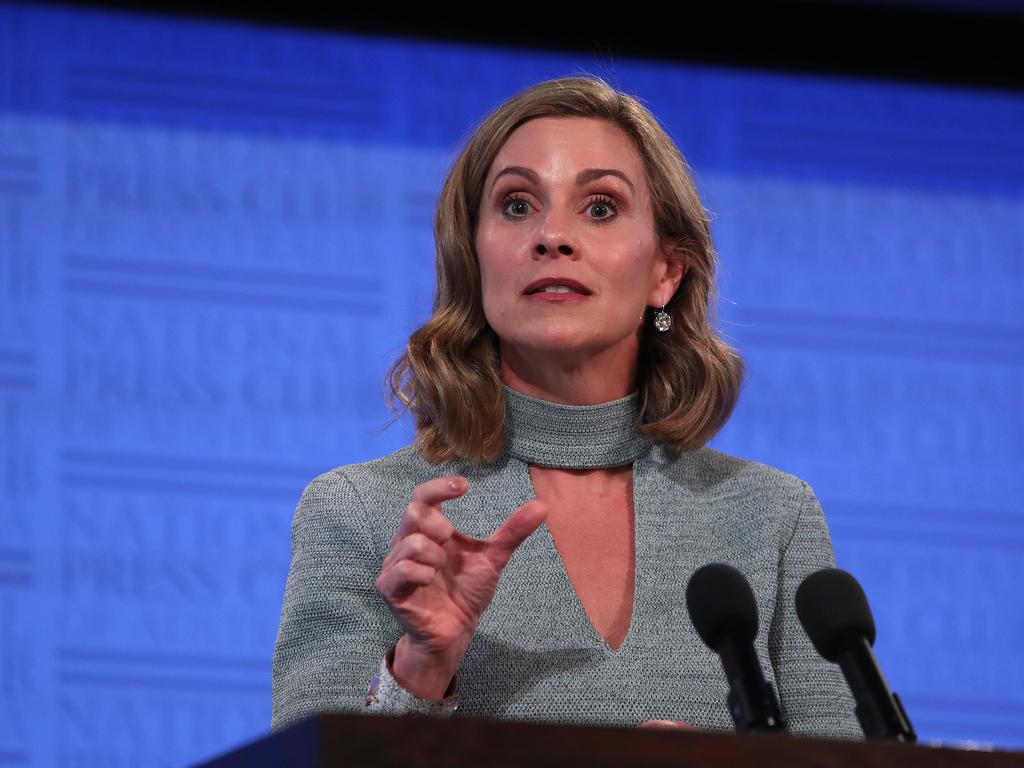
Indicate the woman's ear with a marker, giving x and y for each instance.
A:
(672, 269)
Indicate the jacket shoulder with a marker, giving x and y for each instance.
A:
(397, 468)
(376, 491)
(709, 470)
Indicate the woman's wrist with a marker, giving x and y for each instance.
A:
(425, 674)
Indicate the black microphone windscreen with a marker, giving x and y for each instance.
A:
(720, 600)
(831, 605)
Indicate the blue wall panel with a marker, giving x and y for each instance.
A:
(215, 237)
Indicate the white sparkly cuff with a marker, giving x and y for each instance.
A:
(386, 696)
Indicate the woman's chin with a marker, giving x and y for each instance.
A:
(561, 346)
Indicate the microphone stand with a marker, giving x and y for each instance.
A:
(752, 701)
(879, 709)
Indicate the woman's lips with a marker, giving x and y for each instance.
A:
(558, 281)
(555, 297)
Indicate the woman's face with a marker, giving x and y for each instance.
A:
(566, 206)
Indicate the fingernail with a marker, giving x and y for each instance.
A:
(453, 485)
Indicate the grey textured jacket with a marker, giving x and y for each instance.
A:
(536, 655)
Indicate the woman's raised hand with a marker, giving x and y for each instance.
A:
(438, 583)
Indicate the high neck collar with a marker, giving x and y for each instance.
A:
(573, 436)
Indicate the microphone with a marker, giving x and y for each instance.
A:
(834, 611)
(724, 612)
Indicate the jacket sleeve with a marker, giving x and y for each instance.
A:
(813, 693)
(334, 627)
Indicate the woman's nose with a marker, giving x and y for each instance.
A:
(564, 248)
(555, 238)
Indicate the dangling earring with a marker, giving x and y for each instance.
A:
(662, 320)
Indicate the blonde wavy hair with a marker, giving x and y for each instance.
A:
(450, 375)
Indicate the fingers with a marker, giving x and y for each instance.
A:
(515, 530)
(429, 521)
(402, 577)
(424, 512)
(440, 489)
(419, 548)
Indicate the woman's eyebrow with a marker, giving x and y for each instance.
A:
(517, 170)
(583, 177)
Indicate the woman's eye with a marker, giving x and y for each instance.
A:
(602, 208)
(515, 207)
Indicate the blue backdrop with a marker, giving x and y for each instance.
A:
(214, 237)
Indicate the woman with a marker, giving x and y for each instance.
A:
(528, 556)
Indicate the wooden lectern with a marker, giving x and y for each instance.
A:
(343, 740)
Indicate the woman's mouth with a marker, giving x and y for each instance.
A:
(556, 288)
(556, 295)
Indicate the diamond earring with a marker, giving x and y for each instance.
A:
(662, 320)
